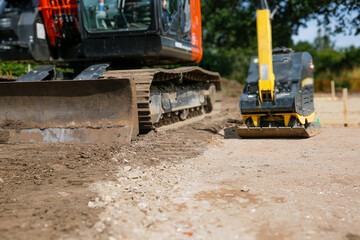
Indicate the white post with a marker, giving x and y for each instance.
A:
(29, 67)
(345, 98)
(333, 90)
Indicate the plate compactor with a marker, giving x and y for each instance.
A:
(278, 99)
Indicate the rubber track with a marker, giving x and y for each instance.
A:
(144, 77)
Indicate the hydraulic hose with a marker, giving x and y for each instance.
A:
(264, 4)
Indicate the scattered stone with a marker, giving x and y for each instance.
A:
(38, 181)
(63, 194)
(99, 227)
(1, 181)
(91, 204)
(142, 206)
(127, 168)
(114, 160)
(245, 189)
(188, 233)
(134, 175)
(108, 199)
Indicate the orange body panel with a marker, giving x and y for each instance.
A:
(196, 31)
(53, 12)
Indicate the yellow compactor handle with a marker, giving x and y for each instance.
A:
(266, 72)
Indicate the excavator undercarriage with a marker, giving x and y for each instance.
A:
(110, 96)
(114, 106)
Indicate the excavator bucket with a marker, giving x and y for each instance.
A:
(280, 132)
(68, 111)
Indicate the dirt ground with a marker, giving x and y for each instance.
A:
(196, 182)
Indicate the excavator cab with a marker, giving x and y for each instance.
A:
(116, 15)
(127, 33)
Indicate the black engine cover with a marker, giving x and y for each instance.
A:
(294, 86)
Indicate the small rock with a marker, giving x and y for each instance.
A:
(134, 175)
(127, 168)
(114, 160)
(245, 189)
(142, 205)
(38, 181)
(108, 199)
(91, 204)
(125, 161)
(1, 181)
(63, 194)
(99, 227)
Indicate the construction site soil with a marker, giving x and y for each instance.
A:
(198, 181)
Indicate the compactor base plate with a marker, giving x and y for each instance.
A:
(280, 132)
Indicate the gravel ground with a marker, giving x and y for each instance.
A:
(253, 189)
(195, 182)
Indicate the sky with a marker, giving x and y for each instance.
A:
(310, 33)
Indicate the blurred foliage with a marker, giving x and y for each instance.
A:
(340, 65)
(18, 69)
(13, 69)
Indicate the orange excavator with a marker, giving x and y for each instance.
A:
(107, 92)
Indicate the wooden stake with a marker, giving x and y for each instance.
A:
(345, 98)
(333, 90)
